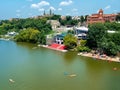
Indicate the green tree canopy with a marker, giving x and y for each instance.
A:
(95, 34)
(70, 41)
(111, 48)
(20, 24)
(116, 38)
(100, 39)
(118, 17)
(28, 35)
(82, 19)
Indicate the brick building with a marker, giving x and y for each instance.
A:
(101, 17)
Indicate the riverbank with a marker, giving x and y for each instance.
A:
(4, 39)
(94, 56)
(30, 68)
(101, 57)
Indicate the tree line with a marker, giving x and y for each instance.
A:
(100, 39)
(30, 29)
(68, 20)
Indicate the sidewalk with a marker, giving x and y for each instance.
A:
(101, 57)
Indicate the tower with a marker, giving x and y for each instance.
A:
(50, 12)
(44, 13)
(100, 13)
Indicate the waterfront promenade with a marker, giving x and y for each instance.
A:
(101, 57)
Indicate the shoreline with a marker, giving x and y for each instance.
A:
(95, 56)
(5, 39)
(101, 57)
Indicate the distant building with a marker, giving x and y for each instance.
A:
(56, 38)
(75, 17)
(81, 32)
(49, 39)
(16, 19)
(59, 38)
(12, 33)
(63, 17)
(54, 23)
(49, 14)
(101, 17)
(63, 29)
(110, 31)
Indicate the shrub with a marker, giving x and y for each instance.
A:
(83, 49)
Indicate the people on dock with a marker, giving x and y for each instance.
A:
(101, 56)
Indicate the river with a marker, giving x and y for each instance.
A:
(37, 68)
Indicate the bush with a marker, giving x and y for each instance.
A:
(83, 49)
(70, 41)
(112, 48)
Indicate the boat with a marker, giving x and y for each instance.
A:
(79, 54)
(11, 80)
(72, 75)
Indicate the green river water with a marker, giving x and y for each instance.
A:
(37, 68)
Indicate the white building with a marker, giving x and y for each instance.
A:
(54, 23)
(81, 32)
(12, 33)
(110, 31)
(59, 38)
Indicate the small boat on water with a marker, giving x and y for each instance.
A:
(79, 54)
(72, 75)
(11, 80)
(69, 75)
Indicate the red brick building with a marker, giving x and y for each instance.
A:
(101, 17)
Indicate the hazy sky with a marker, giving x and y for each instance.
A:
(28, 8)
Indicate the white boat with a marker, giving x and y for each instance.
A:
(11, 80)
(72, 75)
(79, 54)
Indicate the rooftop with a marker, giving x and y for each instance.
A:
(82, 28)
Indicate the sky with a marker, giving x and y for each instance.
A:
(29, 8)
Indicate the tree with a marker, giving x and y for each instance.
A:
(111, 48)
(42, 38)
(85, 18)
(112, 26)
(82, 19)
(74, 22)
(83, 42)
(28, 35)
(105, 42)
(118, 17)
(70, 41)
(68, 18)
(55, 17)
(70, 32)
(82, 47)
(95, 34)
(116, 38)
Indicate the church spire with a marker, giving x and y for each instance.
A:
(50, 12)
(44, 13)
